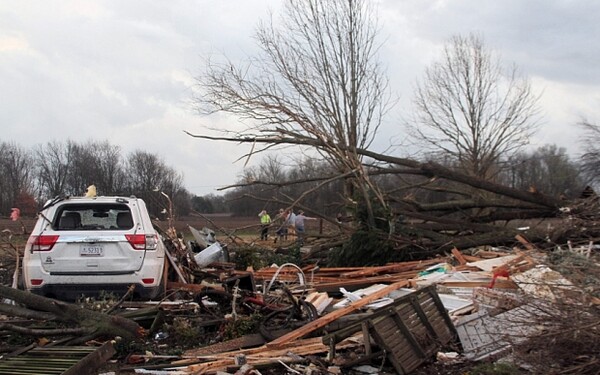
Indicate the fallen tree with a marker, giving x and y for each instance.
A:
(473, 211)
(67, 319)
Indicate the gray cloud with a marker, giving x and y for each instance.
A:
(123, 70)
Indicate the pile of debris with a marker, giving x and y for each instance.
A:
(472, 305)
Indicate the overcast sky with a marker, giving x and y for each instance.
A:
(122, 71)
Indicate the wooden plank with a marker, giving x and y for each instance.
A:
(500, 284)
(175, 267)
(459, 257)
(391, 268)
(246, 341)
(194, 288)
(384, 345)
(387, 325)
(471, 258)
(450, 329)
(528, 245)
(326, 319)
(353, 284)
(406, 331)
(413, 363)
(425, 322)
(265, 355)
(367, 341)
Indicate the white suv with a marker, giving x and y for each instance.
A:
(81, 246)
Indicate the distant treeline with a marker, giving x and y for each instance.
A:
(29, 177)
(274, 183)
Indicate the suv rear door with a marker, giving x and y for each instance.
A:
(93, 239)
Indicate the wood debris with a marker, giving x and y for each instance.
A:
(404, 312)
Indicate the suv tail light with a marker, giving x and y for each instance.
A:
(142, 241)
(43, 242)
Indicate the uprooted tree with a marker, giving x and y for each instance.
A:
(316, 79)
(473, 211)
(69, 319)
(317, 85)
(591, 151)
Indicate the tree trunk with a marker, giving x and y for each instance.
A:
(95, 323)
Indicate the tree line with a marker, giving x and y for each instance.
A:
(271, 184)
(29, 177)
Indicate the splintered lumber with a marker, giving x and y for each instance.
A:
(353, 284)
(486, 254)
(332, 275)
(319, 300)
(519, 262)
(528, 245)
(176, 268)
(266, 355)
(471, 258)
(330, 280)
(501, 284)
(193, 288)
(490, 264)
(459, 257)
(326, 319)
(390, 268)
(243, 342)
(522, 263)
(267, 276)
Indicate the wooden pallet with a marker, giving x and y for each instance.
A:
(59, 360)
(410, 330)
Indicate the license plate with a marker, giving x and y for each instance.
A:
(91, 251)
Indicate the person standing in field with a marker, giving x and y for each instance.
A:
(299, 225)
(282, 230)
(290, 223)
(265, 222)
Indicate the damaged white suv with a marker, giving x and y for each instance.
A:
(82, 246)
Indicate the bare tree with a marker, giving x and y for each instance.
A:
(469, 108)
(547, 169)
(148, 177)
(146, 172)
(590, 159)
(84, 168)
(98, 163)
(317, 81)
(54, 161)
(16, 169)
(111, 175)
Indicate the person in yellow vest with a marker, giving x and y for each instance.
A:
(265, 222)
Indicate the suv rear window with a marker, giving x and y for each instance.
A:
(106, 216)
